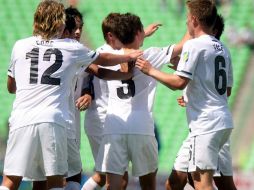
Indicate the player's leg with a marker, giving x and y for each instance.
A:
(113, 159)
(176, 181)
(148, 181)
(98, 180)
(113, 181)
(143, 152)
(10, 182)
(39, 185)
(204, 157)
(178, 177)
(125, 180)
(203, 179)
(224, 183)
(223, 178)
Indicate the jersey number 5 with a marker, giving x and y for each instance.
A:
(130, 92)
(46, 76)
(220, 74)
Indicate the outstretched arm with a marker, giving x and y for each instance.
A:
(172, 81)
(150, 29)
(107, 74)
(108, 59)
(179, 46)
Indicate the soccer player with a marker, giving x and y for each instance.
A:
(205, 70)
(126, 137)
(41, 72)
(223, 177)
(96, 112)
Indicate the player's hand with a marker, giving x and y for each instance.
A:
(150, 29)
(134, 54)
(143, 65)
(181, 101)
(174, 62)
(83, 102)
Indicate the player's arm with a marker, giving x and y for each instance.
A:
(179, 46)
(87, 94)
(108, 59)
(150, 29)
(229, 91)
(107, 74)
(172, 81)
(11, 85)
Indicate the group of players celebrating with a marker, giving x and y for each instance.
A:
(54, 77)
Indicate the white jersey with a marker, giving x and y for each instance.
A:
(131, 101)
(44, 71)
(207, 63)
(96, 112)
(73, 130)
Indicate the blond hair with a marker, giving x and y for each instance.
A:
(204, 10)
(49, 19)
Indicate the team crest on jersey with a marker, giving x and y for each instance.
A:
(185, 56)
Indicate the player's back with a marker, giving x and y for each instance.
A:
(212, 76)
(43, 71)
(131, 101)
(208, 64)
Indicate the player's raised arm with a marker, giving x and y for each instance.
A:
(108, 59)
(108, 74)
(150, 29)
(179, 46)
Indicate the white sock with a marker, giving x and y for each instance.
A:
(72, 185)
(90, 184)
(4, 188)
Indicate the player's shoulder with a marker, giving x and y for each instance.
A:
(106, 48)
(25, 41)
(152, 50)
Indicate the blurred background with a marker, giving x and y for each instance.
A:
(16, 19)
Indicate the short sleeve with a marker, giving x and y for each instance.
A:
(188, 61)
(11, 69)
(158, 56)
(86, 56)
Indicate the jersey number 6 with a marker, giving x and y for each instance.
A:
(220, 73)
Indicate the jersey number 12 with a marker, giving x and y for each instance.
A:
(46, 76)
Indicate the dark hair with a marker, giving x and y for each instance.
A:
(129, 27)
(218, 27)
(74, 12)
(70, 23)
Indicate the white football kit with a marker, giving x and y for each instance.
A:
(96, 112)
(43, 71)
(129, 119)
(207, 63)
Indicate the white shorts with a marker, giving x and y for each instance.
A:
(182, 158)
(204, 150)
(36, 151)
(94, 142)
(116, 151)
(74, 159)
(225, 161)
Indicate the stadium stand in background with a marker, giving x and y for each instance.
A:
(16, 22)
